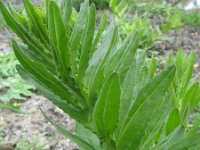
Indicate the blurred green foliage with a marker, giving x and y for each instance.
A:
(99, 3)
(191, 18)
(12, 87)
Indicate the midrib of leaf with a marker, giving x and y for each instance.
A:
(126, 124)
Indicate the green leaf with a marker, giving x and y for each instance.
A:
(155, 123)
(98, 36)
(121, 58)
(69, 135)
(106, 110)
(132, 84)
(76, 37)
(173, 121)
(94, 72)
(87, 42)
(188, 71)
(58, 40)
(185, 143)
(133, 128)
(67, 12)
(88, 136)
(152, 68)
(192, 97)
(39, 28)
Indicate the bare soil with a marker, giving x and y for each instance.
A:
(29, 125)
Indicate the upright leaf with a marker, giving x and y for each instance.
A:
(173, 121)
(106, 110)
(39, 27)
(67, 12)
(58, 40)
(87, 42)
(76, 36)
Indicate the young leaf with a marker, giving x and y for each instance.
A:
(76, 37)
(192, 97)
(106, 110)
(173, 121)
(97, 38)
(94, 72)
(87, 42)
(58, 40)
(39, 28)
(67, 12)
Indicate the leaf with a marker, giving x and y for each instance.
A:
(58, 40)
(155, 123)
(132, 84)
(133, 128)
(87, 42)
(186, 143)
(173, 122)
(122, 57)
(87, 136)
(98, 36)
(39, 28)
(69, 135)
(188, 71)
(192, 97)
(106, 111)
(152, 68)
(76, 36)
(94, 72)
(67, 12)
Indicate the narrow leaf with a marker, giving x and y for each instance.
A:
(106, 110)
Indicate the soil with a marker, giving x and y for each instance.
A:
(29, 125)
(187, 38)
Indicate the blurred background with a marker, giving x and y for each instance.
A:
(165, 27)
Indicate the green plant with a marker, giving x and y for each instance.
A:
(12, 87)
(106, 86)
(99, 3)
(148, 34)
(191, 18)
(183, 91)
(174, 21)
